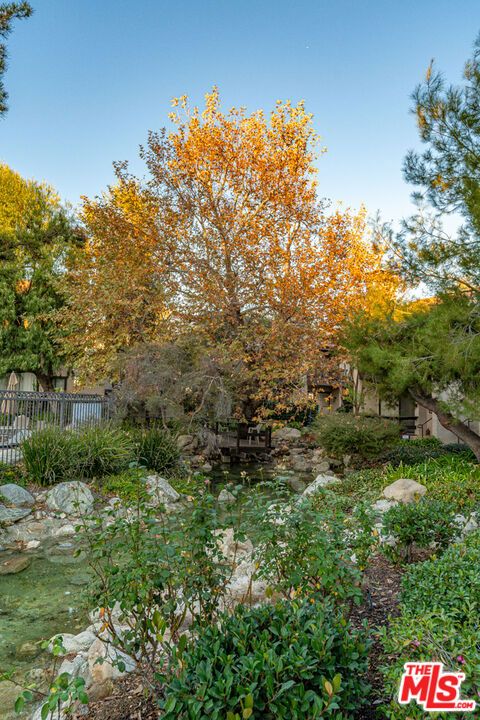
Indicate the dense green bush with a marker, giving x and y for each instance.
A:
(52, 455)
(450, 584)
(420, 524)
(415, 451)
(364, 437)
(156, 449)
(293, 660)
(440, 605)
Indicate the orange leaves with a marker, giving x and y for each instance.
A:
(227, 240)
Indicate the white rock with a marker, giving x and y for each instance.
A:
(234, 549)
(404, 490)
(321, 481)
(106, 670)
(32, 544)
(72, 498)
(160, 490)
(75, 643)
(64, 531)
(225, 497)
(382, 506)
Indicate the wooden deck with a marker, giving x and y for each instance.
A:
(244, 440)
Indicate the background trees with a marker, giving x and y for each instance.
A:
(226, 241)
(432, 349)
(36, 235)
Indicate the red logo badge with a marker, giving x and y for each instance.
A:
(433, 688)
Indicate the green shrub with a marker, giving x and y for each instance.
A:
(450, 584)
(156, 568)
(305, 548)
(361, 436)
(52, 455)
(156, 449)
(293, 660)
(421, 524)
(432, 637)
(128, 485)
(12, 474)
(416, 451)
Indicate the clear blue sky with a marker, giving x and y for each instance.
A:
(88, 78)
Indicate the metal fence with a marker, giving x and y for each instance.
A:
(22, 413)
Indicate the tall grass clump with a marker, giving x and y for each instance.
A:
(53, 455)
(156, 449)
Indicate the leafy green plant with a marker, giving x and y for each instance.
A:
(156, 449)
(415, 451)
(156, 571)
(292, 660)
(450, 584)
(12, 474)
(301, 548)
(127, 485)
(361, 436)
(102, 450)
(420, 524)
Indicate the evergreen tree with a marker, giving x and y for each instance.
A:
(8, 13)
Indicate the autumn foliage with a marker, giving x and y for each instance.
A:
(226, 241)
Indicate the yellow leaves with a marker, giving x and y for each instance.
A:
(23, 286)
(428, 74)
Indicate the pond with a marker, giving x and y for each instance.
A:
(41, 601)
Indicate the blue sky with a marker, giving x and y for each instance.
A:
(88, 78)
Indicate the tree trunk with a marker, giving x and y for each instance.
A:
(45, 379)
(449, 422)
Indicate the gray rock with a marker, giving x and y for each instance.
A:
(16, 495)
(14, 565)
(286, 434)
(184, 441)
(8, 516)
(76, 643)
(160, 490)
(296, 485)
(322, 467)
(225, 497)
(404, 490)
(72, 498)
(321, 481)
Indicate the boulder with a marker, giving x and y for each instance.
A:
(101, 662)
(404, 490)
(286, 434)
(471, 525)
(322, 467)
(160, 491)
(185, 441)
(16, 495)
(74, 644)
(225, 497)
(8, 516)
(72, 498)
(301, 464)
(14, 565)
(320, 482)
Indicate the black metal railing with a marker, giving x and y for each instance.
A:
(22, 413)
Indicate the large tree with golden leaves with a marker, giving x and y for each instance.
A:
(227, 240)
